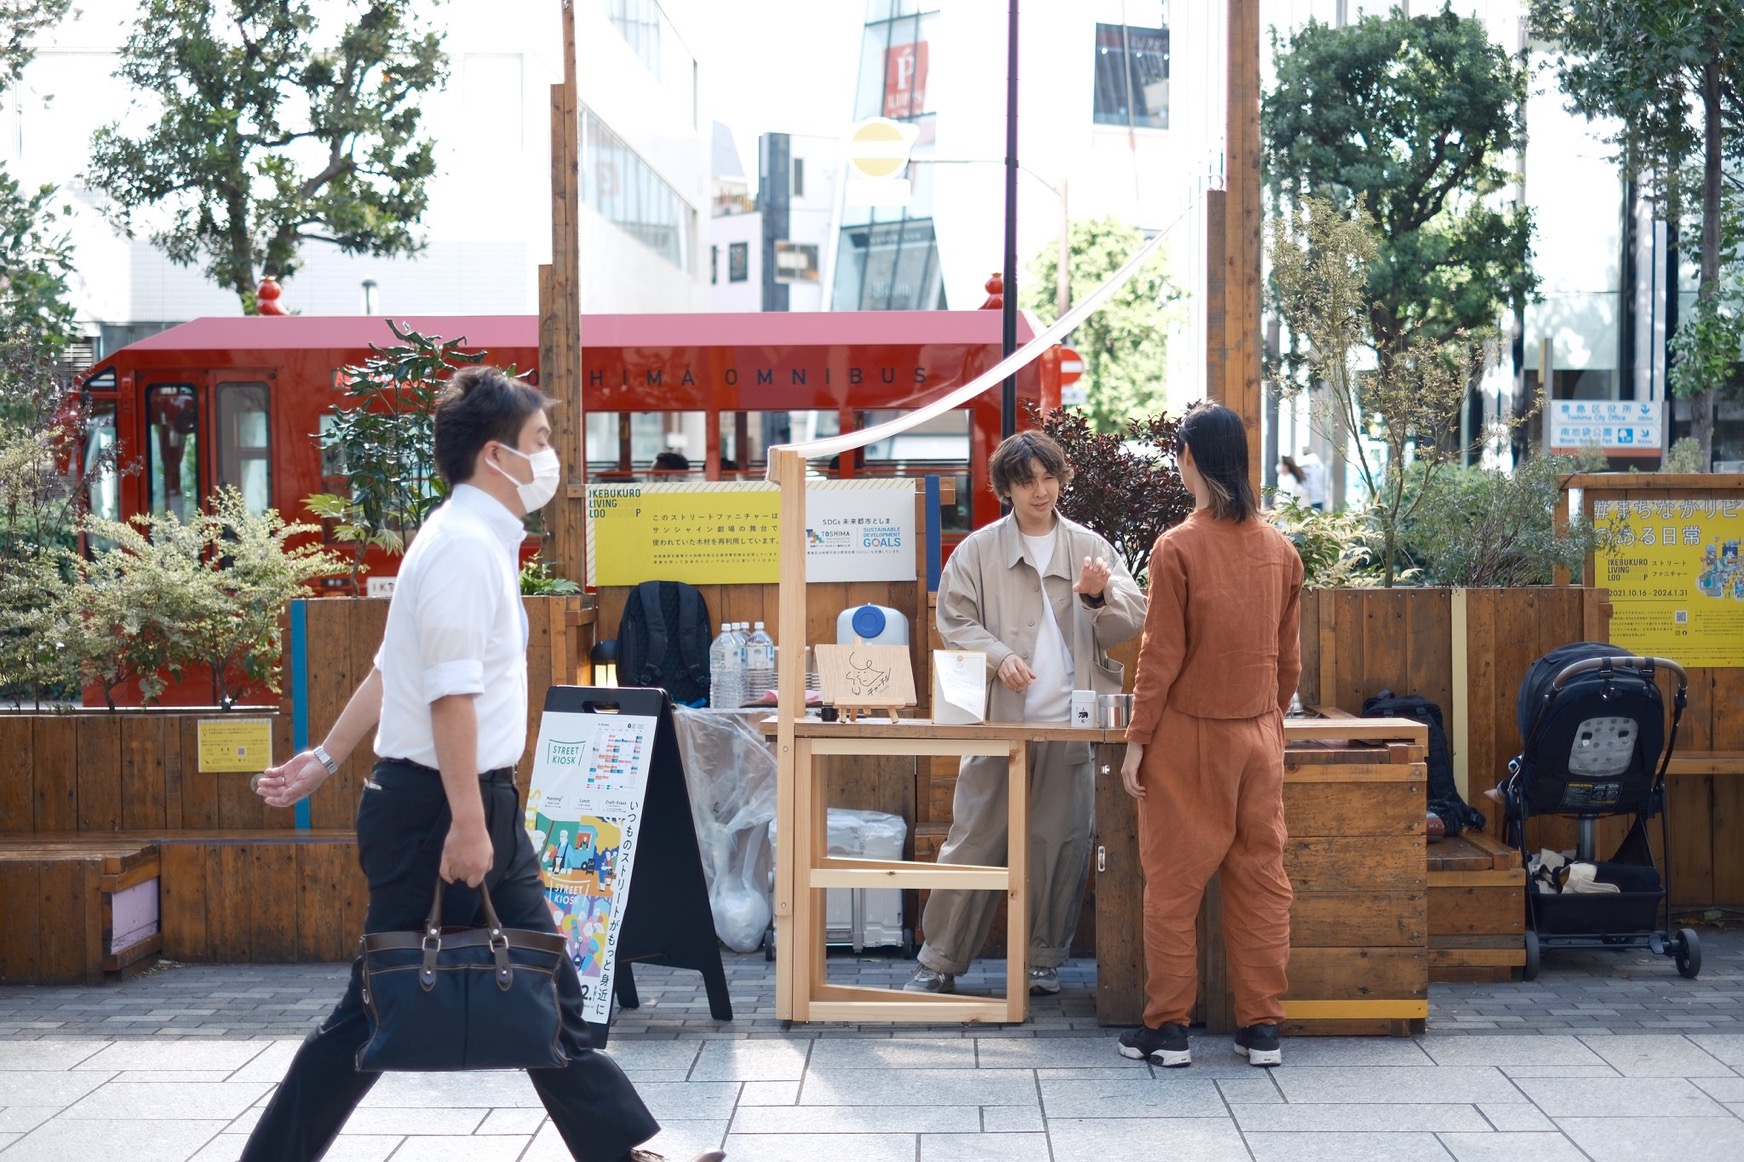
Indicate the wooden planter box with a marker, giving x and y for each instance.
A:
(1477, 909)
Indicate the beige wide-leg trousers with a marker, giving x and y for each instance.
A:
(1062, 799)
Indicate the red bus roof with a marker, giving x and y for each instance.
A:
(758, 329)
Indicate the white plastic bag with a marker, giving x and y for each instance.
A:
(730, 770)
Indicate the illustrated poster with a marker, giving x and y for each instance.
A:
(1676, 576)
(590, 775)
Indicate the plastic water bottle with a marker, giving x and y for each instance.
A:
(724, 671)
(736, 664)
(759, 664)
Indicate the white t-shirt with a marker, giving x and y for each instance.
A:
(1049, 697)
(456, 626)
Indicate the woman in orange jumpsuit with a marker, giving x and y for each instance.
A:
(1217, 669)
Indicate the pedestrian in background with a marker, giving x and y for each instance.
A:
(1205, 746)
(447, 697)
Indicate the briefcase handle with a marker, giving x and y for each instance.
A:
(499, 940)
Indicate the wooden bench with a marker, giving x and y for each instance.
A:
(77, 908)
(238, 896)
(1477, 909)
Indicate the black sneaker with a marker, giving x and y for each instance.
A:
(1259, 1044)
(1166, 1046)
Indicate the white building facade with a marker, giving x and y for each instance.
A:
(645, 172)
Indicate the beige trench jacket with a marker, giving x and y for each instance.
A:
(990, 600)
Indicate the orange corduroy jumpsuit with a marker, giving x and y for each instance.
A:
(1218, 666)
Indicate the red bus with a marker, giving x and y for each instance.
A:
(241, 401)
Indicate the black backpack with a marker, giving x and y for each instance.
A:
(663, 640)
(1444, 797)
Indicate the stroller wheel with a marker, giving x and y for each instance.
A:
(1530, 970)
(1689, 953)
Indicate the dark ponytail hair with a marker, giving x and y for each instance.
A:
(1219, 443)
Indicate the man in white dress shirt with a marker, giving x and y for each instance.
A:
(448, 700)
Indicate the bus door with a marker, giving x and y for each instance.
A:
(204, 431)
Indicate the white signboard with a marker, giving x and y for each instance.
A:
(1617, 427)
(590, 775)
(859, 530)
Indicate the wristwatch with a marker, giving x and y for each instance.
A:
(325, 759)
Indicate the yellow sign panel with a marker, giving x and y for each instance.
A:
(1676, 576)
(704, 534)
(720, 533)
(242, 745)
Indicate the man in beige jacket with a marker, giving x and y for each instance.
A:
(1008, 591)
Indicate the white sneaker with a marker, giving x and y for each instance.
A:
(1044, 981)
(925, 980)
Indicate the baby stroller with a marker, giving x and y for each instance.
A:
(1593, 724)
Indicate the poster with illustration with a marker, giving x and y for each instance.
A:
(1676, 577)
(590, 775)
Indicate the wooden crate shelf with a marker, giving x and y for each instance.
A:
(1477, 909)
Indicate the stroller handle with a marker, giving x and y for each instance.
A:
(1588, 665)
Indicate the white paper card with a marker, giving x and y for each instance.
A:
(959, 686)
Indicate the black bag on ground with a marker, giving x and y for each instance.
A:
(1444, 796)
(664, 639)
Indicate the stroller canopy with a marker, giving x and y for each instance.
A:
(1544, 671)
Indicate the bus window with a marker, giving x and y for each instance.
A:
(97, 467)
(172, 449)
(746, 438)
(242, 443)
(620, 444)
(939, 447)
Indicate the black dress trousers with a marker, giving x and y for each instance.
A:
(402, 823)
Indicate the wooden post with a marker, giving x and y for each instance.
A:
(560, 318)
(1242, 237)
(1215, 308)
(791, 961)
(1461, 685)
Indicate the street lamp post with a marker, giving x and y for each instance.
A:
(1008, 392)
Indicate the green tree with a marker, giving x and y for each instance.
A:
(1410, 404)
(165, 595)
(1125, 356)
(1412, 119)
(384, 436)
(273, 128)
(1670, 73)
(20, 21)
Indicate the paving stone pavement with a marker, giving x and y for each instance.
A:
(1604, 1057)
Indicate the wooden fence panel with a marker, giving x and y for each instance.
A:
(142, 771)
(98, 774)
(55, 748)
(17, 774)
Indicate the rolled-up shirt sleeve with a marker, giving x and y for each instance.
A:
(453, 629)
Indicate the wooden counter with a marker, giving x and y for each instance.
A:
(1354, 794)
(1354, 806)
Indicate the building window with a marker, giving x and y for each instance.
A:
(625, 190)
(889, 266)
(714, 265)
(799, 177)
(1132, 76)
(738, 261)
(650, 35)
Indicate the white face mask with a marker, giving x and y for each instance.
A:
(536, 493)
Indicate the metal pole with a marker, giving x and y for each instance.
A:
(1008, 395)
